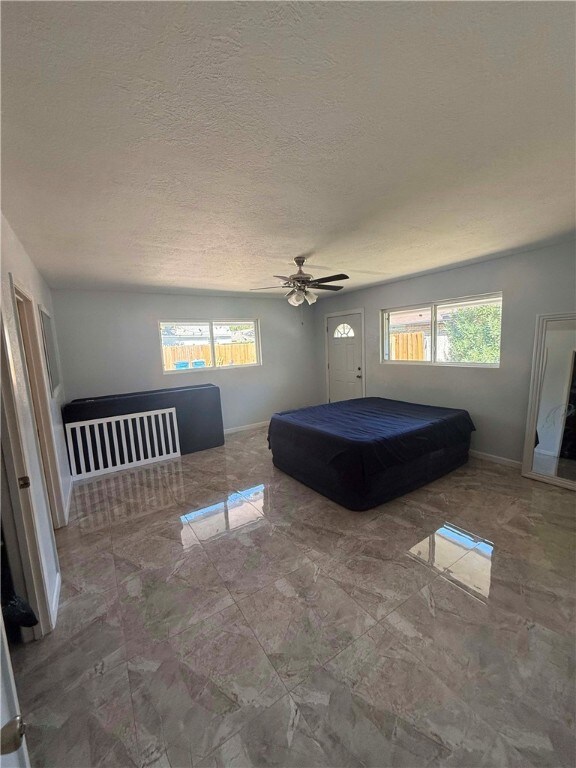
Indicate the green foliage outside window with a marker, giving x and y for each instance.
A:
(474, 334)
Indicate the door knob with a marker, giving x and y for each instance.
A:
(359, 376)
(12, 735)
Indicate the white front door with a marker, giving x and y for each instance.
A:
(345, 374)
(14, 755)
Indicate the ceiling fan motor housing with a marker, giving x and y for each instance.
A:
(300, 276)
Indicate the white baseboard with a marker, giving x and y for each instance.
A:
(55, 601)
(231, 430)
(67, 503)
(496, 459)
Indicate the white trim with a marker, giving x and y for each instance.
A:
(552, 480)
(258, 425)
(440, 365)
(496, 459)
(31, 342)
(68, 501)
(212, 368)
(87, 432)
(341, 313)
(357, 311)
(54, 602)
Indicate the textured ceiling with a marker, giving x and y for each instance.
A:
(204, 145)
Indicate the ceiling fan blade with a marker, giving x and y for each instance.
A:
(330, 278)
(281, 277)
(268, 287)
(325, 287)
(350, 269)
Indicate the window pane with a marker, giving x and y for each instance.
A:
(469, 331)
(410, 334)
(185, 346)
(343, 331)
(235, 343)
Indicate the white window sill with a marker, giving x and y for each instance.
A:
(206, 368)
(439, 365)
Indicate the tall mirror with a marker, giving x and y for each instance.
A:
(50, 350)
(550, 445)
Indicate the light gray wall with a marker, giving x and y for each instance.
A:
(533, 282)
(110, 344)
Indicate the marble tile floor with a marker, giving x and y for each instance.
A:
(215, 612)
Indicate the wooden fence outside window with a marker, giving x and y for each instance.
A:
(407, 346)
(240, 353)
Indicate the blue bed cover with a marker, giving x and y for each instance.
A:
(380, 432)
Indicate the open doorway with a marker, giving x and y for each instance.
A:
(34, 365)
(15, 597)
(26, 523)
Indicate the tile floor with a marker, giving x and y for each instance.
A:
(215, 612)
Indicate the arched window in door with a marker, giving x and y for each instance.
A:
(343, 331)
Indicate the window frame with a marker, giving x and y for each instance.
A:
(211, 324)
(434, 305)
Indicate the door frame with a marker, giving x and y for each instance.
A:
(13, 532)
(32, 351)
(362, 346)
(16, 460)
(19, 758)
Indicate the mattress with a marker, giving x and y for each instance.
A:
(361, 453)
(198, 411)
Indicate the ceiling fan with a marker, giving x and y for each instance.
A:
(301, 283)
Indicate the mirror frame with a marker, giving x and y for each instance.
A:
(52, 361)
(536, 381)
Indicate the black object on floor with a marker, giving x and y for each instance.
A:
(18, 613)
(198, 411)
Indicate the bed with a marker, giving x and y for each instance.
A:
(364, 452)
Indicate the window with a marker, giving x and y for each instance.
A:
(456, 332)
(410, 334)
(343, 331)
(209, 344)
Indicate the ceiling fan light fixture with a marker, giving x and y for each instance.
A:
(296, 298)
(310, 297)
